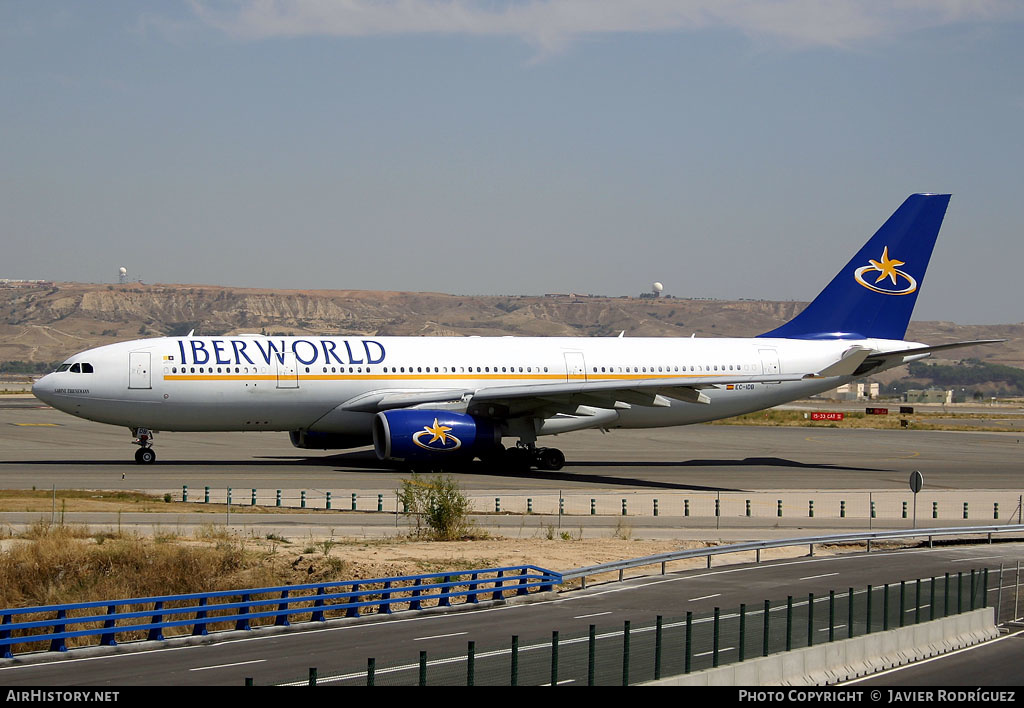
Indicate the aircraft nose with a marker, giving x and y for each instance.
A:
(43, 388)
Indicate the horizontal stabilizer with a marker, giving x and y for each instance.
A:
(918, 351)
(880, 361)
(849, 363)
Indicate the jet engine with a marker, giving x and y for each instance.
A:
(421, 435)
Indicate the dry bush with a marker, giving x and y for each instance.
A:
(62, 564)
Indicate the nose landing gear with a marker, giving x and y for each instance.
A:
(145, 455)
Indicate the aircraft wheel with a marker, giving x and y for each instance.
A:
(550, 458)
(494, 457)
(517, 459)
(145, 456)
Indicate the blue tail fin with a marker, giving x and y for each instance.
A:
(874, 295)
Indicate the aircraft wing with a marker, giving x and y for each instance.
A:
(512, 401)
(550, 398)
(388, 399)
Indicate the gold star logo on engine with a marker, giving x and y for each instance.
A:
(440, 440)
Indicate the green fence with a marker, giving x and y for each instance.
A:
(632, 653)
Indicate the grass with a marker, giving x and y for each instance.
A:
(917, 421)
(85, 500)
(57, 564)
(60, 564)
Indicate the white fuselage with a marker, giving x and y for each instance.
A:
(250, 382)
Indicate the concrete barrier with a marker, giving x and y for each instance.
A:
(846, 659)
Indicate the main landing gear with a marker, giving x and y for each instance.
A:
(145, 455)
(526, 455)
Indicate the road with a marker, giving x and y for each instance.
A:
(340, 650)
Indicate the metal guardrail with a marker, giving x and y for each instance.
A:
(375, 596)
(153, 615)
(758, 546)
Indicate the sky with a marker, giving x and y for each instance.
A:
(726, 148)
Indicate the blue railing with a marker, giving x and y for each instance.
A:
(277, 606)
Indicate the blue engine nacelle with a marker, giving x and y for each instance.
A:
(432, 435)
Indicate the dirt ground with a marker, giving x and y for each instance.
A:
(360, 558)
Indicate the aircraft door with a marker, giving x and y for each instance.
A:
(139, 373)
(769, 361)
(287, 370)
(575, 367)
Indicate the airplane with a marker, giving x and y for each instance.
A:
(437, 402)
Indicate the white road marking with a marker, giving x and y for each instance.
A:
(439, 636)
(706, 597)
(224, 666)
(815, 577)
(596, 614)
(912, 664)
(709, 653)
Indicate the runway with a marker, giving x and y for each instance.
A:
(41, 447)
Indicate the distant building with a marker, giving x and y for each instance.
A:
(16, 283)
(931, 395)
(853, 392)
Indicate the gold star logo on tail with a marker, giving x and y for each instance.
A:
(887, 269)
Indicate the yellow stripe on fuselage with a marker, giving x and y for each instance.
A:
(424, 377)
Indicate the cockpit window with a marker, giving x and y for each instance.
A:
(63, 367)
(76, 368)
(86, 368)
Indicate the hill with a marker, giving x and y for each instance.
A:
(42, 323)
